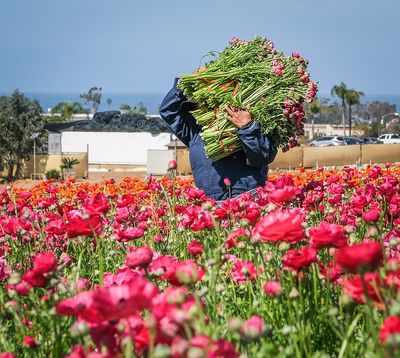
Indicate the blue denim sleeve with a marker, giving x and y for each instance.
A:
(179, 122)
(259, 149)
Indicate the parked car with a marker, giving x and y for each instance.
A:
(371, 140)
(327, 141)
(352, 140)
(390, 138)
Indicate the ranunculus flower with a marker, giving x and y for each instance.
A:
(7, 355)
(86, 227)
(4, 269)
(371, 216)
(195, 248)
(283, 225)
(360, 257)
(129, 234)
(172, 165)
(125, 200)
(188, 272)
(56, 227)
(227, 182)
(243, 271)
(29, 341)
(34, 278)
(369, 286)
(253, 328)
(97, 205)
(110, 303)
(23, 288)
(297, 259)
(140, 257)
(273, 288)
(281, 191)
(389, 327)
(44, 262)
(327, 235)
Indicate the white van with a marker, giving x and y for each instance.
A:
(390, 138)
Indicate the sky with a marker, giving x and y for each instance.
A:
(142, 45)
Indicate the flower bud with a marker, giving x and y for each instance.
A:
(253, 328)
(172, 165)
(79, 329)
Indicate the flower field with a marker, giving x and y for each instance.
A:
(308, 268)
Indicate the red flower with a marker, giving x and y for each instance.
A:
(29, 341)
(280, 192)
(223, 349)
(195, 248)
(56, 227)
(297, 259)
(280, 226)
(371, 215)
(7, 355)
(172, 165)
(125, 200)
(110, 303)
(44, 262)
(23, 288)
(359, 290)
(34, 278)
(227, 182)
(140, 257)
(273, 288)
(389, 327)
(86, 227)
(331, 272)
(97, 205)
(327, 235)
(360, 257)
(253, 328)
(186, 272)
(243, 271)
(129, 234)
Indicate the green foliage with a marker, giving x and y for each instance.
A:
(67, 109)
(68, 163)
(139, 109)
(19, 119)
(53, 174)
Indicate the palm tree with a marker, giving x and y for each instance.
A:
(352, 97)
(340, 92)
(109, 101)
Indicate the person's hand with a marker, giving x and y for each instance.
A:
(199, 69)
(237, 116)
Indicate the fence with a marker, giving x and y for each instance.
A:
(48, 162)
(309, 157)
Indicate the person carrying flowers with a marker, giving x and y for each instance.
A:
(242, 171)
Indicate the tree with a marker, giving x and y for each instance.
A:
(109, 101)
(67, 109)
(93, 97)
(68, 164)
(140, 109)
(314, 109)
(125, 108)
(352, 98)
(340, 92)
(19, 119)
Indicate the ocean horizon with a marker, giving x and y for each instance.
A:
(153, 100)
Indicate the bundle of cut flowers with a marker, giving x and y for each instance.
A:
(254, 76)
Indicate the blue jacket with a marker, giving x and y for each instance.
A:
(246, 169)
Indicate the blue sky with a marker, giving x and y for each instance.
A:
(140, 46)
